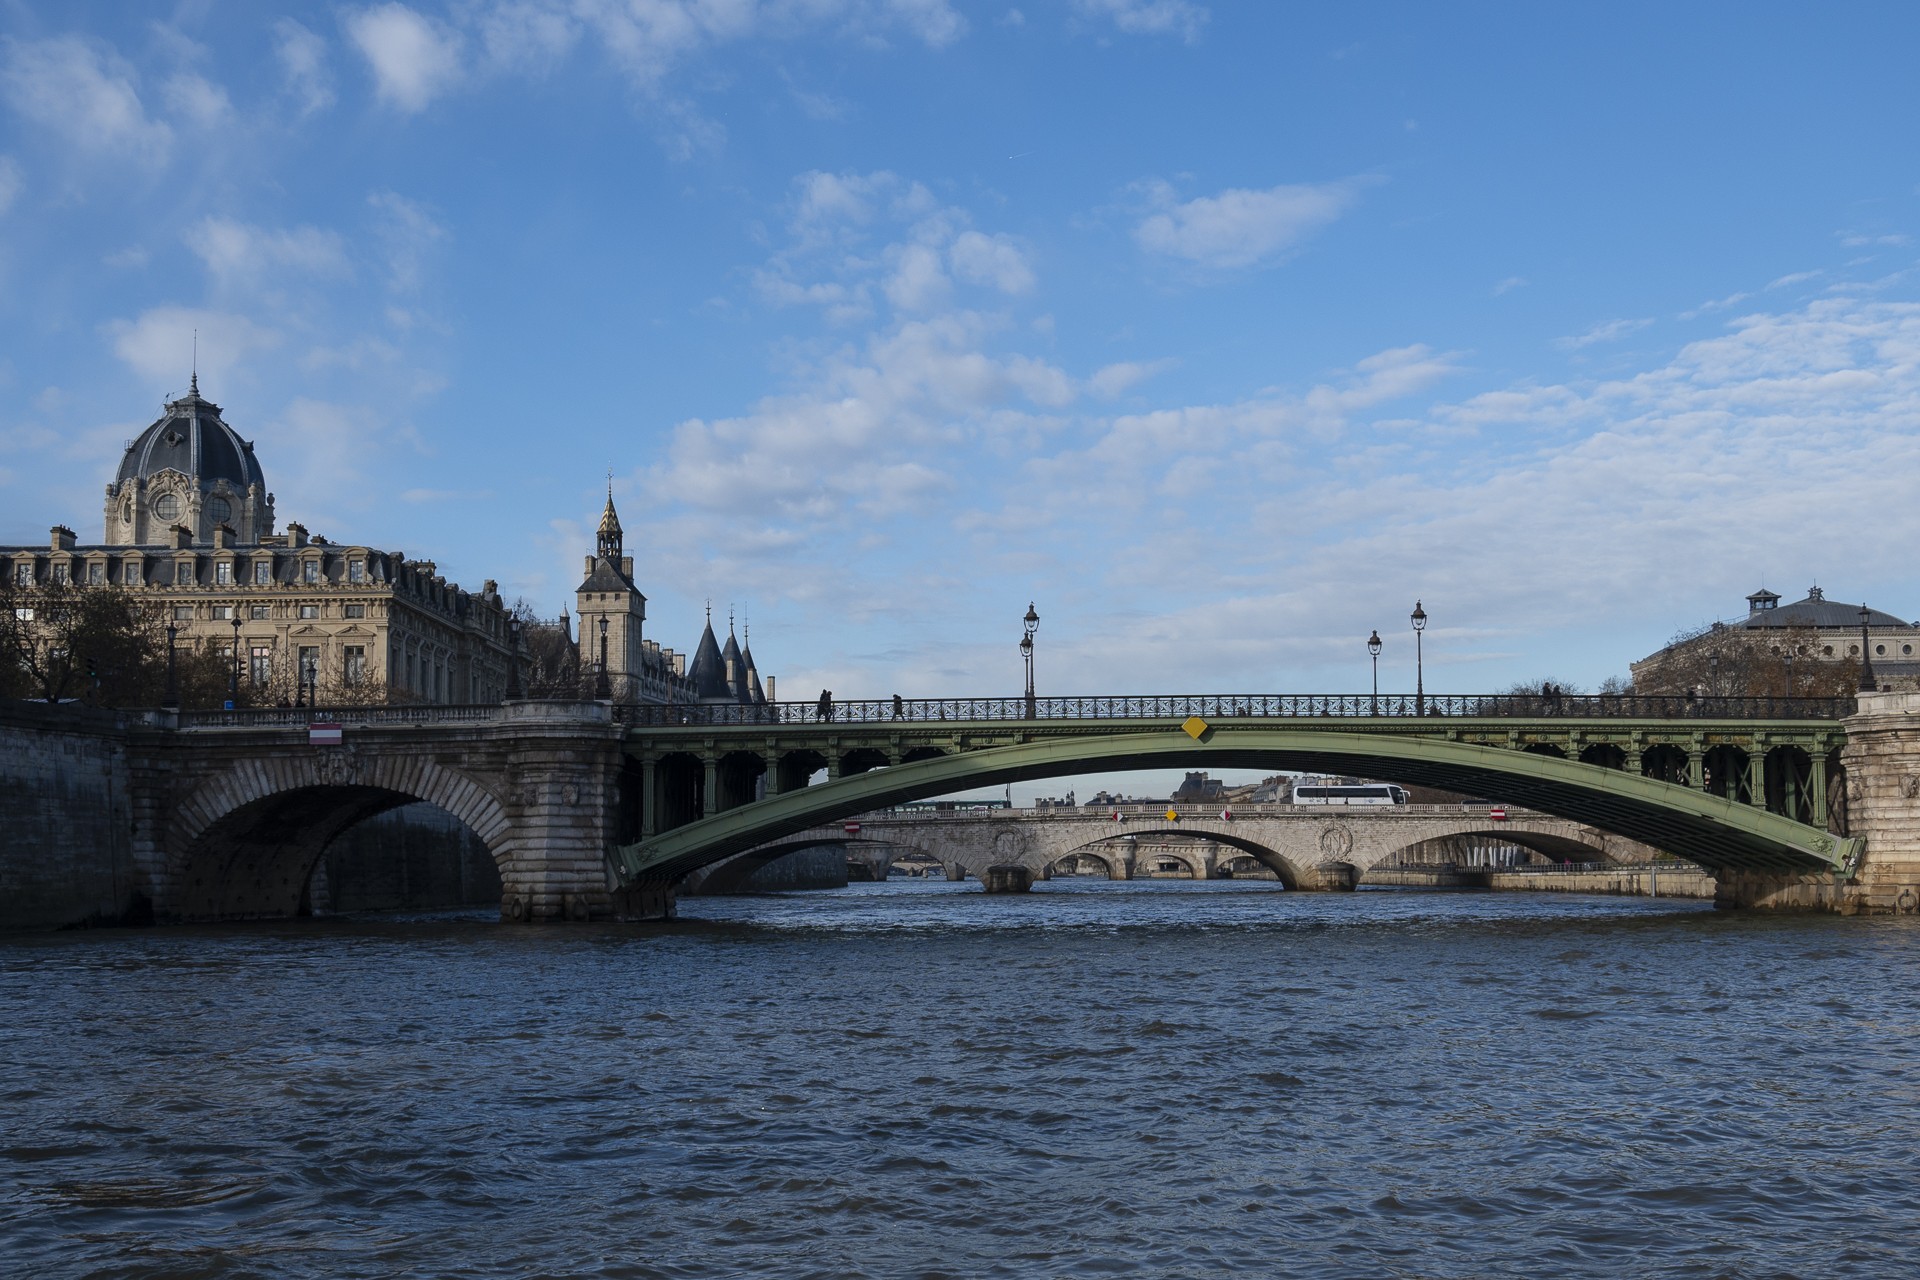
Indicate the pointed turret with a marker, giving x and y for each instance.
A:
(709, 669)
(607, 543)
(736, 667)
(755, 694)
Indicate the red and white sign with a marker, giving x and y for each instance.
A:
(1497, 813)
(323, 733)
(853, 828)
(1226, 815)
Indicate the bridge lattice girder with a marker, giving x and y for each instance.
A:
(1454, 755)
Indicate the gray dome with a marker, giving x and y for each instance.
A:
(192, 439)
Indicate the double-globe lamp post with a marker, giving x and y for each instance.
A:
(1419, 666)
(602, 687)
(1032, 624)
(233, 677)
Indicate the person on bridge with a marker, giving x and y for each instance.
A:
(825, 709)
(899, 708)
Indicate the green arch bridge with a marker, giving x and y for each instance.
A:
(1734, 784)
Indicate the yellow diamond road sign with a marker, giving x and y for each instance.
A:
(1195, 726)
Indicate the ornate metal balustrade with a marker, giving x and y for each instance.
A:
(1243, 706)
(301, 717)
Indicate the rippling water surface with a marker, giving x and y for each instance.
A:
(916, 1080)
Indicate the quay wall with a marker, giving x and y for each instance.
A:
(1632, 881)
(66, 822)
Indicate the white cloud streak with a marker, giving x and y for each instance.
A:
(1239, 228)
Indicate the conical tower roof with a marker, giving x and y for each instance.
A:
(735, 665)
(755, 693)
(708, 671)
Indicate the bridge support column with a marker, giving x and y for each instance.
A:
(710, 788)
(1120, 869)
(955, 872)
(1817, 789)
(563, 811)
(1332, 877)
(1882, 760)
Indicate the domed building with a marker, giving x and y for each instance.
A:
(188, 470)
(1809, 647)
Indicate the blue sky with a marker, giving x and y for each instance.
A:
(1221, 332)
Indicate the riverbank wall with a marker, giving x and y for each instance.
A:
(1662, 881)
(66, 823)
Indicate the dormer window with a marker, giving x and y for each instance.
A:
(223, 573)
(263, 572)
(310, 571)
(23, 574)
(356, 571)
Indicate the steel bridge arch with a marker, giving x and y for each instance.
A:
(1716, 833)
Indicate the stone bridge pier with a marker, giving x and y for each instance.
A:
(230, 824)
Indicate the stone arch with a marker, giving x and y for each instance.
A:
(1096, 852)
(1272, 859)
(244, 842)
(1556, 848)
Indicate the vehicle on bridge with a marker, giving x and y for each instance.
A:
(1349, 793)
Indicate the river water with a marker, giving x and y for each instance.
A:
(913, 1079)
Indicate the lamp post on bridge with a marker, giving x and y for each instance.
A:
(1032, 624)
(233, 676)
(1373, 651)
(173, 677)
(513, 659)
(1867, 681)
(1419, 664)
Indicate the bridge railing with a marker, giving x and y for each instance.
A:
(1189, 812)
(301, 717)
(1242, 706)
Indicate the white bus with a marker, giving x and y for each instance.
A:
(1349, 793)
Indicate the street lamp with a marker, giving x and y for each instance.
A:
(1419, 664)
(173, 680)
(311, 678)
(602, 687)
(513, 658)
(1867, 682)
(1032, 624)
(233, 677)
(1713, 675)
(1373, 651)
(1789, 673)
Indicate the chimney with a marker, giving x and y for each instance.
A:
(63, 538)
(223, 537)
(770, 696)
(182, 537)
(296, 534)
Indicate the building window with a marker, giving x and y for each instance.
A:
(263, 573)
(309, 660)
(260, 664)
(309, 610)
(183, 613)
(223, 574)
(183, 575)
(355, 669)
(356, 611)
(310, 572)
(60, 575)
(96, 574)
(1880, 649)
(356, 571)
(260, 612)
(223, 613)
(166, 506)
(23, 613)
(23, 574)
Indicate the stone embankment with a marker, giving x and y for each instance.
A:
(1664, 880)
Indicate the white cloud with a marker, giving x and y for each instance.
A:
(917, 282)
(1118, 379)
(994, 261)
(235, 251)
(1149, 17)
(198, 99)
(413, 58)
(1611, 331)
(408, 232)
(303, 60)
(11, 182)
(83, 93)
(1509, 285)
(1797, 277)
(1238, 228)
(158, 344)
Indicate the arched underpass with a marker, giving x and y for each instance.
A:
(1714, 831)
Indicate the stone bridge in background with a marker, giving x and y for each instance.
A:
(594, 811)
(1307, 847)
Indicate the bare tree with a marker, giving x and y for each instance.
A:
(1720, 661)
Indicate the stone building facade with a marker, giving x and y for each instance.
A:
(1807, 648)
(189, 523)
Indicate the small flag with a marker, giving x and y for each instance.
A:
(323, 733)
